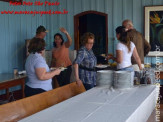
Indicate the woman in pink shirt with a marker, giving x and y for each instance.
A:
(60, 57)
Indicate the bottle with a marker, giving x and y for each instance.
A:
(15, 71)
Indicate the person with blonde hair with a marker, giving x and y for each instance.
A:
(142, 46)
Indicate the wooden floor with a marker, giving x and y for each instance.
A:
(152, 118)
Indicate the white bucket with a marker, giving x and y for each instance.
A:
(123, 79)
(105, 78)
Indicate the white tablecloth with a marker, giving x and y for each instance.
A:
(101, 104)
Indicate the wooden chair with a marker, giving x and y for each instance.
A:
(20, 109)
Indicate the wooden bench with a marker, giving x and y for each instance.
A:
(19, 109)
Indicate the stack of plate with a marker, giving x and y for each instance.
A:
(61, 68)
(105, 78)
(123, 79)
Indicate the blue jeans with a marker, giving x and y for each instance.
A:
(131, 69)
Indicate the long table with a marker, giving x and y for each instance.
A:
(102, 104)
(8, 80)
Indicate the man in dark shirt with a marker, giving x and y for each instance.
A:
(142, 46)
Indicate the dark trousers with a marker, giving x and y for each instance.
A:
(64, 77)
(88, 86)
(32, 91)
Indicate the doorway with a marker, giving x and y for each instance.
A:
(96, 23)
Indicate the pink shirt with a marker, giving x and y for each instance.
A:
(60, 57)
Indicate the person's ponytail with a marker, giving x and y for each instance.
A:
(123, 36)
(128, 43)
(125, 39)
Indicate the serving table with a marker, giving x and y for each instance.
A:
(102, 104)
(8, 80)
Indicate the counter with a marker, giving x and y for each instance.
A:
(8, 80)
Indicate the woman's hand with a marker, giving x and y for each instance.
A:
(140, 67)
(78, 82)
(109, 56)
(69, 41)
(57, 71)
(63, 30)
(76, 68)
(43, 75)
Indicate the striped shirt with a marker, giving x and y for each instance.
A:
(87, 59)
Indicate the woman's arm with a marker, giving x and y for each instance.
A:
(69, 41)
(77, 61)
(53, 60)
(137, 58)
(43, 75)
(76, 67)
(119, 57)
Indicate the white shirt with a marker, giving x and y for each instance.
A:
(37, 61)
(126, 61)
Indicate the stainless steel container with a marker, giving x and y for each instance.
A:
(123, 79)
(105, 78)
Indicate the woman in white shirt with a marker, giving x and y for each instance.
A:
(125, 49)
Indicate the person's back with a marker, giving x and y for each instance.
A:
(126, 61)
(34, 61)
(138, 40)
(38, 72)
(125, 49)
